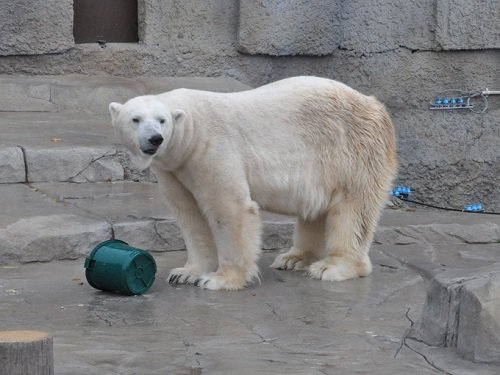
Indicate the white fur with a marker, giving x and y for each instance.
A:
(304, 146)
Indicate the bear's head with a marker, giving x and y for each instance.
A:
(144, 126)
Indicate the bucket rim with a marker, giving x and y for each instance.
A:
(102, 244)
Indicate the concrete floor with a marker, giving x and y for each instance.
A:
(288, 324)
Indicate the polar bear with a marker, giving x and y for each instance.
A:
(304, 146)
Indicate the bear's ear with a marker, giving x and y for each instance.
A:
(178, 116)
(114, 109)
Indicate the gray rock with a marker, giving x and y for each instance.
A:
(320, 28)
(11, 165)
(277, 234)
(479, 319)
(77, 93)
(74, 164)
(462, 311)
(265, 27)
(51, 237)
(164, 235)
(35, 227)
(158, 85)
(25, 94)
(480, 233)
(153, 235)
(406, 25)
(131, 173)
(36, 27)
(105, 168)
(458, 27)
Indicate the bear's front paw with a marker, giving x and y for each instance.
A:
(182, 275)
(213, 281)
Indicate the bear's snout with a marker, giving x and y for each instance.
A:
(156, 140)
(153, 144)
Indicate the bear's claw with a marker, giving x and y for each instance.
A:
(176, 279)
(182, 275)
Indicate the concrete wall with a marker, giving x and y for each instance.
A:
(404, 52)
(35, 27)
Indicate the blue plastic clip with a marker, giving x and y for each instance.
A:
(401, 191)
(474, 207)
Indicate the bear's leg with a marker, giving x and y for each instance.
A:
(236, 229)
(201, 251)
(308, 245)
(349, 231)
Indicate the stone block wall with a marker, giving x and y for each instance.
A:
(265, 27)
(35, 27)
(403, 52)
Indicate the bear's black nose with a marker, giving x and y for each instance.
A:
(156, 140)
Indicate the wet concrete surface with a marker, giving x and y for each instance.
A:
(287, 324)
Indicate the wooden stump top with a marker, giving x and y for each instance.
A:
(22, 336)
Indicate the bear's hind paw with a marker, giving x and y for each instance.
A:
(213, 282)
(339, 269)
(293, 259)
(226, 280)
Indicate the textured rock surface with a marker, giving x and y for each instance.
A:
(154, 235)
(82, 94)
(463, 24)
(34, 227)
(480, 233)
(287, 28)
(277, 233)
(47, 237)
(264, 27)
(25, 94)
(74, 164)
(287, 324)
(11, 165)
(462, 311)
(379, 26)
(139, 215)
(36, 27)
(92, 94)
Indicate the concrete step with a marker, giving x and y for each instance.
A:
(56, 221)
(135, 213)
(55, 129)
(76, 147)
(92, 94)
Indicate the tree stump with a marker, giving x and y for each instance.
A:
(26, 353)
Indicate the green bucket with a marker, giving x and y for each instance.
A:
(114, 266)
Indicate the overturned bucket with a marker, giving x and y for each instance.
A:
(114, 266)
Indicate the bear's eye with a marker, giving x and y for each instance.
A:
(136, 120)
(162, 121)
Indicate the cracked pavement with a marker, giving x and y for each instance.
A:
(287, 324)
